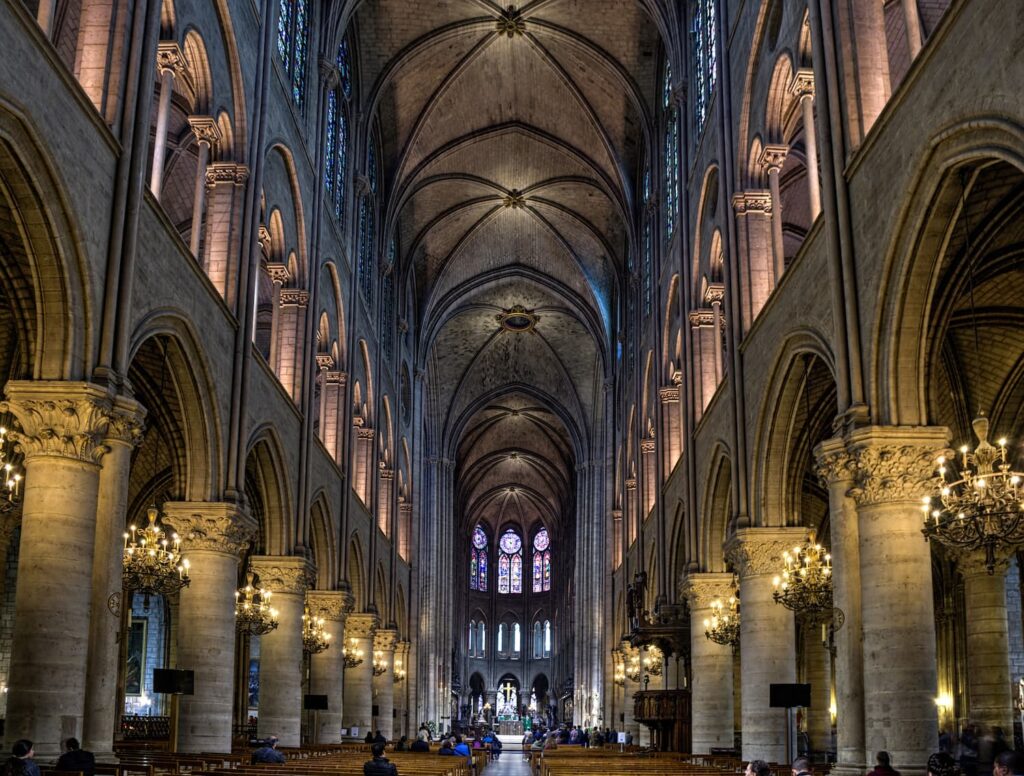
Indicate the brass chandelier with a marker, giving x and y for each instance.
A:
(723, 626)
(979, 501)
(253, 613)
(10, 481)
(805, 586)
(398, 675)
(633, 669)
(619, 664)
(353, 653)
(652, 661)
(152, 564)
(380, 663)
(314, 638)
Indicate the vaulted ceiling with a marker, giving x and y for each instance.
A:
(512, 141)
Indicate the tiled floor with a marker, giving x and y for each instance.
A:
(509, 764)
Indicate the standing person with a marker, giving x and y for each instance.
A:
(76, 759)
(1009, 763)
(883, 766)
(379, 765)
(967, 750)
(268, 753)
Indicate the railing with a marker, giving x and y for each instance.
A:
(137, 728)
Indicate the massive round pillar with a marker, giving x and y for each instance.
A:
(358, 710)
(384, 684)
(327, 668)
(214, 536)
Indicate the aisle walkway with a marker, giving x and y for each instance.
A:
(511, 762)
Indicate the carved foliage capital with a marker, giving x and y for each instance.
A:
(294, 296)
(205, 129)
(361, 625)
(226, 172)
(284, 573)
(669, 394)
(773, 157)
(127, 422)
(59, 419)
(895, 464)
(803, 83)
(211, 526)
(170, 58)
(700, 590)
(758, 551)
(332, 605)
(385, 640)
(752, 202)
(834, 463)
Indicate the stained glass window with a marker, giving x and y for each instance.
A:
(345, 69)
(481, 639)
(293, 44)
(331, 140)
(387, 314)
(502, 638)
(510, 563)
(517, 640)
(538, 640)
(648, 268)
(705, 58)
(341, 166)
(541, 561)
(478, 561)
(671, 159)
(366, 249)
(371, 167)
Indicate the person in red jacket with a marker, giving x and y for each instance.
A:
(883, 766)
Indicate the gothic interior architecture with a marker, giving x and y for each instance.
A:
(587, 362)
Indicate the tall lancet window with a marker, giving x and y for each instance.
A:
(510, 563)
(478, 561)
(541, 561)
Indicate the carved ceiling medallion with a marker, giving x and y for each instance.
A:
(518, 319)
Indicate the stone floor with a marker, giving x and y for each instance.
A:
(509, 764)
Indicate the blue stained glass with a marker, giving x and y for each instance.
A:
(648, 268)
(345, 69)
(479, 538)
(472, 570)
(666, 89)
(541, 540)
(547, 570)
(510, 542)
(341, 189)
(503, 571)
(483, 570)
(538, 575)
(331, 141)
(387, 324)
(284, 32)
(301, 37)
(517, 573)
(371, 168)
(365, 249)
(647, 184)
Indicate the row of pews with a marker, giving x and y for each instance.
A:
(577, 761)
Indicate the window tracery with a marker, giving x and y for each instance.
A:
(478, 561)
(541, 562)
(510, 563)
(293, 45)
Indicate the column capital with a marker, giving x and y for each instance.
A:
(385, 640)
(754, 201)
(324, 361)
(332, 605)
(170, 58)
(715, 292)
(895, 463)
(700, 590)
(975, 564)
(773, 157)
(205, 129)
(669, 394)
(284, 573)
(361, 625)
(127, 422)
(833, 462)
(758, 551)
(294, 296)
(219, 526)
(802, 84)
(329, 74)
(279, 273)
(631, 483)
(337, 378)
(226, 172)
(59, 419)
(647, 445)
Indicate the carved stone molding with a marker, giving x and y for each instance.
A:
(324, 361)
(365, 432)
(385, 640)
(278, 272)
(631, 483)
(895, 463)
(337, 378)
(647, 445)
(510, 23)
(752, 202)
(715, 292)
(361, 626)
(284, 573)
(803, 83)
(294, 296)
(699, 318)
(974, 564)
(758, 551)
(170, 59)
(773, 157)
(386, 473)
(332, 605)
(59, 419)
(205, 129)
(834, 462)
(700, 590)
(211, 526)
(127, 422)
(669, 394)
(226, 172)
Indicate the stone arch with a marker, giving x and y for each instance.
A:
(898, 381)
(380, 591)
(42, 266)
(266, 486)
(707, 216)
(289, 193)
(671, 329)
(355, 571)
(188, 376)
(324, 542)
(798, 407)
(716, 510)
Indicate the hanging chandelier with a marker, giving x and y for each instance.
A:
(805, 585)
(633, 669)
(314, 638)
(10, 482)
(380, 663)
(253, 613)
(979, 501)
(152, 564)
(723, 626)
(619, 663)
(353, 653)
(398, 675)
(653, 660)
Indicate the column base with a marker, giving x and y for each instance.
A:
(852, 769)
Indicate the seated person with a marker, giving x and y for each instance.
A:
(379, 765)
(421, 744)
(402, 745)
(462, 748)
(76, 759)
(446, 747)
(268, 753)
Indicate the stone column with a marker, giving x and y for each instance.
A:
(206, 132)
(280, 714)
(894, 470)
(988, 640)
(327, 668)
(384, 685)
(766, 637)
(385, 486)
(279, 275)
(324, 362)
(214, 538)
(803, 89)
(710, 665)
(169, 62)
(912, 17)
(818, 674)
(124, 432)
(772, 159)
(754, 244)
(836, 469)
(63, 425)
(651, 484)
(670, 427)
(401, 691)
(359, 630)
(222, 230)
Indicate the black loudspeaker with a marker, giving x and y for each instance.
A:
(788, 696)
(314, 702)
(376, 710)
(171, 681)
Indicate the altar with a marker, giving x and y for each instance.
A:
(510, 728)
(509, 723)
